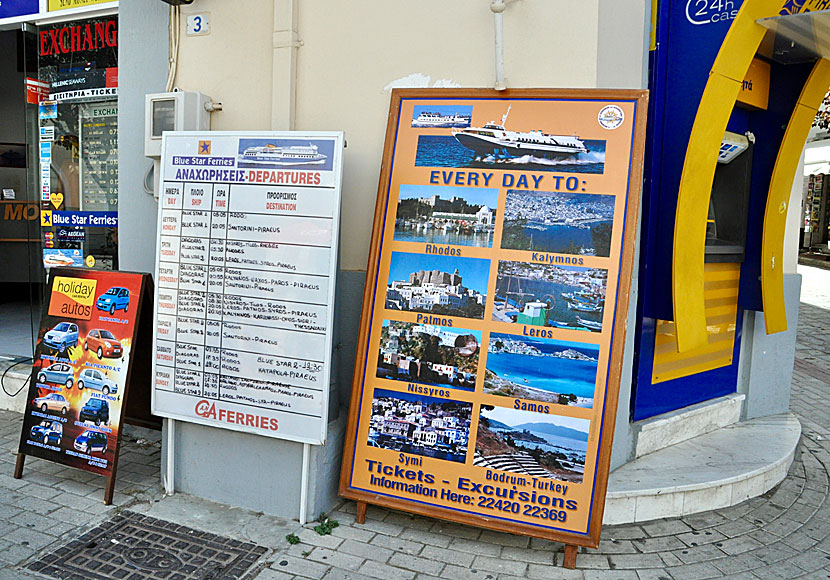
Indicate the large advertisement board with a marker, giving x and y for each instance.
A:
(81, 369)
(490, 350)
(248, 228)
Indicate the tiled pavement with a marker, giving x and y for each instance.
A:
(784, 534)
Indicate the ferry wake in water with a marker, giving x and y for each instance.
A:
(495, 144)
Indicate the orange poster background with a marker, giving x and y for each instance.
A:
(569, 503)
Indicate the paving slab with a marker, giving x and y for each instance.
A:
(783, 534)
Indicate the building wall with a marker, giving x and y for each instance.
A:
(142, 64)
(349, 56)
(351, 52)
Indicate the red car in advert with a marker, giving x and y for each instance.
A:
(103, 343)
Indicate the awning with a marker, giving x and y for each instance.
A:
(816, 168)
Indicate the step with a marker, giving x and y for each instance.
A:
(671, 428)
(711, 471)
(15, 380)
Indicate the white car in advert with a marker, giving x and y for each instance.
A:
(64, 335)
(95, 379)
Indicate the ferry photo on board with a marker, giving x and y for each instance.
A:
(497, 143)
(442, 116)
(286, 154)
(428, 354)
(539, 369)
(558, 222)
(440, 285)
(460, 216)
(529, 443)
(420, 425)
(568, 297)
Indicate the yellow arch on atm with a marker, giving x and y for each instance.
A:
(719, 97)
(780, 187)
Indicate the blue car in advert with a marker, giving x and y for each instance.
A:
(116, 298)
(48, 432)
(64, 335)
(57, 373)
(95, 379)
(90, 441)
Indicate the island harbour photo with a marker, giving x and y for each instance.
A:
(568, 297)
(461, 216)
(428, 354)
(530, 443)
(442, 285)
(539, 369)
(558, 222)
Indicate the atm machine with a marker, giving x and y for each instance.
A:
(694, 59)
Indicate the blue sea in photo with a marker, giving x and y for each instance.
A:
(435, 236)
(445, 151)
(554, 444)
(545, 289)
(547, 373)
(556, 237)
(555, 375)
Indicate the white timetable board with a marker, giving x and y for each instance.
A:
(246, 259)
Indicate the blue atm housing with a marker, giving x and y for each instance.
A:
(688, 37)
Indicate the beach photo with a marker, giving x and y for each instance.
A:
(570, 297)
(460, 216)
(427, 116)
(531, 443)
(441, 285)
(420, 425)
(428, 354)
(558, 222)
(500, 144)
(539, 369)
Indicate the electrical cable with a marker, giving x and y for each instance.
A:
(175, 20)
(24, 385)
(148, 180)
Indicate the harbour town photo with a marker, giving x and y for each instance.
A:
(428, 354)
(427, 116)
(568, 297)
(539, 369)
(441, 285)
(558, 222)
(498, 143)
(420, 425)
(531, 443)
(461, 216)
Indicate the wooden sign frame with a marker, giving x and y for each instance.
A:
(136, 371)
(611, 110)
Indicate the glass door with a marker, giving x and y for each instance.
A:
(78, 133)
(58, 164)
(21, 269)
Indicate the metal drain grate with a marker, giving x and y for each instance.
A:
(131, 546)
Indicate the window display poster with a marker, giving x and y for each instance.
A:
(491, 342)
(81, 368)
(245, 271)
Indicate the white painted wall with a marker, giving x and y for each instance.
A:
(351, 50)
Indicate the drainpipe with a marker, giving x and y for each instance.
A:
(284, 67)
(497, 7)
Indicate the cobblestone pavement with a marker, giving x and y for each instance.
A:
(784, 534)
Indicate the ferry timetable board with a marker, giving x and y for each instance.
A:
(491, 342)
(84, 359)
(247, 254)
